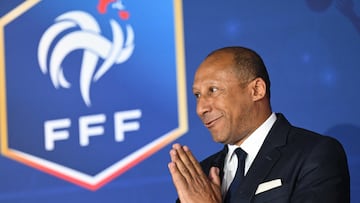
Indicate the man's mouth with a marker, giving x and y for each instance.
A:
(211, 122)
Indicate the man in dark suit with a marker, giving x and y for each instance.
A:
(265, 158)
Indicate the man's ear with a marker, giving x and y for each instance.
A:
(258, 89)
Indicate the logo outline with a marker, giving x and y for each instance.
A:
(94, 183)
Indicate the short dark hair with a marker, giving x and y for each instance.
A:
(248, 64)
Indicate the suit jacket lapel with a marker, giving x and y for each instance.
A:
(219, 160)
(265, 159)
(216, 160)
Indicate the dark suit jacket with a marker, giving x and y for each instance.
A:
(312, 168)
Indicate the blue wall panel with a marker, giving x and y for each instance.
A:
(311, 49)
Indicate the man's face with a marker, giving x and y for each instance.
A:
(223, 104)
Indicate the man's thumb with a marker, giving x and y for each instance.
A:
(214, 175)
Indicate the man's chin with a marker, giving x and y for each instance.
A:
(219, 139)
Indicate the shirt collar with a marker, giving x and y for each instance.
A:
(254, 142)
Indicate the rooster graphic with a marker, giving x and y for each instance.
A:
(87, 37)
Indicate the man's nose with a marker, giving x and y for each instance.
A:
(203, 106)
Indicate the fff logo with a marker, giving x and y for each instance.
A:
(99, 47)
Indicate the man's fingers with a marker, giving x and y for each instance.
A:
(186, 160)
(214, 175)
(177, 177)
(186, 164)
(181, 168)
(181, 185)
(190, 181)
(193, 160)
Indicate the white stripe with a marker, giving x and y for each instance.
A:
(92, 180)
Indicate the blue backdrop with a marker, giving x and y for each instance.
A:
(311, 49)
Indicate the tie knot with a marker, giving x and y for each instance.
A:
(241, 154)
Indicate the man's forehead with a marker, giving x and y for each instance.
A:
(214, 69)
(220, 56)
(211, 76)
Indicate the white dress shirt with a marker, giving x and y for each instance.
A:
(251, 146)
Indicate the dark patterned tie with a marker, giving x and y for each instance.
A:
(239, 175)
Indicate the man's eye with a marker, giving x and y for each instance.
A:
(197, 95)
(213, 89)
